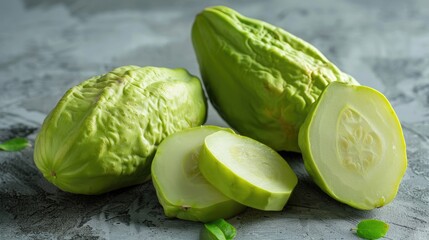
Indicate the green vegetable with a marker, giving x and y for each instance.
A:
(103, 133)
(247, 171)
(218, 230)
(372, 229)
(261, 79)
(181, 189)
(353, 146)
(15, 144)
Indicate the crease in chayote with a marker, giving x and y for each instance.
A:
(103, 133)
(260, 78)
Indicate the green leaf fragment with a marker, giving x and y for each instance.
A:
(372, 229)
(15, 144)
(227, 229)
(211, 232)
(218, 230)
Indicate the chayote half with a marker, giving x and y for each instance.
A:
(353, 146)
(260, 78)
(103, 133)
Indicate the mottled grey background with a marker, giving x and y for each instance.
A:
(48, 46)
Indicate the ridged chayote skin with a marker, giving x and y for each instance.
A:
(260, 78)
(103, 133)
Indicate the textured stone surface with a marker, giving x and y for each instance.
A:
(47, 46)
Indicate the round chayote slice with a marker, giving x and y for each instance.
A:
(181, 189)
(353, 146)
(247, 171)
(103, 133)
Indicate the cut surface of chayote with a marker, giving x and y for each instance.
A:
(247, 171)
(181, 189)
(103, 133)
(353, 146)
(261, 79)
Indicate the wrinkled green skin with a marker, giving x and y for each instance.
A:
(260, 78)
(103, 133)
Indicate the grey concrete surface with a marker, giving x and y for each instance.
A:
(48, 46)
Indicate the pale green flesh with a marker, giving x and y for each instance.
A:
(353, 146)
(183, 190)
(247, 171)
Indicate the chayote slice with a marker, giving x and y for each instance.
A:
(260, 78)
(247, 171)
(181, 189)
(353, 146)
(103, 133)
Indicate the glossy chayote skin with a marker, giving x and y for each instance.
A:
(103, 133)
(260, 78)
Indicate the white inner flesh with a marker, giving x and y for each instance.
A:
(357, 145)
(252, 161)
(176, 168)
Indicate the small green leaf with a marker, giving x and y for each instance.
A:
(218, 230)
(211, 232)
(14, 144)
(227, 229)
(372, 229)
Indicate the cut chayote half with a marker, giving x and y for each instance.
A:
(261, 79)
(247, 171)
(181, 189)
(353, 146)
(103, 133)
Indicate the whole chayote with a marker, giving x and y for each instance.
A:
(260, 78)
(104, 132)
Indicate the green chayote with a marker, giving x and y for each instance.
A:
(103, 133)
(260, 78)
